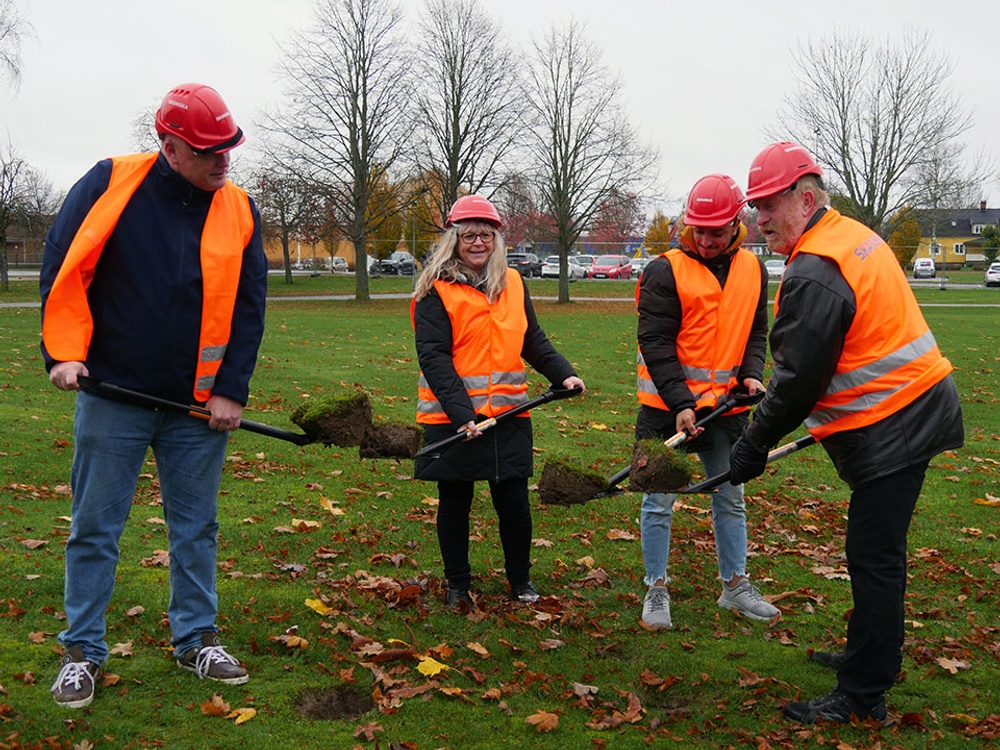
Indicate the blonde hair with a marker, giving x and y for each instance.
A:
(445, 264)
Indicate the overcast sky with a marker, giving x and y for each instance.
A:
(702, 80)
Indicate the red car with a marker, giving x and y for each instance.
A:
(611, 267)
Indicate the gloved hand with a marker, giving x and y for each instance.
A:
(746, 461)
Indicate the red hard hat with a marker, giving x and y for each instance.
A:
(777, 168)
(196, 114)
(715, 200)
(473, 207)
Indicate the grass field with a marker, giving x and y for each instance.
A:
(340, 553)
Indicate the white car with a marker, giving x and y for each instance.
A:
(775, 268)
(923, 268)
(550, 269)
(992, 275)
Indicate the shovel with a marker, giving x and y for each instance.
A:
(553, 394)
(707, 485)
(102, 388)
(725, 403)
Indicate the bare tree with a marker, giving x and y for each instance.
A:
(27, 201)
(347, 118)
(289, 206)
(875, 115)
(586, 154)
(468, 119)
(13, 31)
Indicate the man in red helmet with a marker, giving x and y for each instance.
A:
(855, 361)
(154, 279)
(702, 333)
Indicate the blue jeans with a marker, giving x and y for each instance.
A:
(728, 519)
(111, 443)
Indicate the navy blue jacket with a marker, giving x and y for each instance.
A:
(146, 295)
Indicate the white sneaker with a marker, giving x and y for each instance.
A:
(745, 599)
(656, 608)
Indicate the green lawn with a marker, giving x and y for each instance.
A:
(341, 552)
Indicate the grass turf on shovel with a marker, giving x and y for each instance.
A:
(726, 403)
(707, 485)
(553, 394)
(102, 388)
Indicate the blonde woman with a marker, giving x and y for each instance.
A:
(475, 328)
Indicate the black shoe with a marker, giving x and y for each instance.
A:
(838, 707)
(74, 687)
(829, 659)
(459, 599)
(524, 592)
(211, 661)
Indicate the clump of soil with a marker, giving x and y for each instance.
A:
(564, 484)
(656, 468)
(338, 702)
(337, 419)
(390, 440)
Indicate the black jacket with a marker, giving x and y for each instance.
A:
(660, 317)
(503, 452)
(817, 307)
(146, 295)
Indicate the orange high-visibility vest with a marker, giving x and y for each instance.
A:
(486, 349)
(890, 356)
(68, 326)
(715, 326)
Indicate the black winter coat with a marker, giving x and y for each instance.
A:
(503, 452)
(817, 307)
(660, 317)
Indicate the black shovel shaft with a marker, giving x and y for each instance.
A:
(706, 485)
(98, 387)
(552, 394)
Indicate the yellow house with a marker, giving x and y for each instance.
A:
(953, 237)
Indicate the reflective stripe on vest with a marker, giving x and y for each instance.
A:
(715, 327)
(68, 326)
(890, 356)
(486, 349)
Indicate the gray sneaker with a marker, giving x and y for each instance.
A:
(656, 608)
(745, 599)
(210, 661)
(74, 687)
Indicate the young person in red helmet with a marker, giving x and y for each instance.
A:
(475, 327)
(154, 279)
(855, 361)
(702, 333)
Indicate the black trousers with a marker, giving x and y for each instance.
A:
(510, 501)
(878, 520)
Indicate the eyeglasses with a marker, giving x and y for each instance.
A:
(791, 188)
(470, 237)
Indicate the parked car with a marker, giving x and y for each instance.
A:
(527, 264)
(775, 268)
(400, 263)
(924, 268)
(611, 267)
(639, 265)
(550, 268)
(992, 275)
(338, 264)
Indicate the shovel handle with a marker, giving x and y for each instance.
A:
(726, 402)
(98, 387)
(781, 451)
(553, 394)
